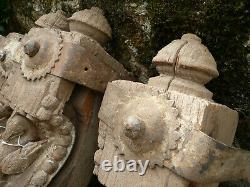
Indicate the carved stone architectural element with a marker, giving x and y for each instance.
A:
(173, 122)
(91, 23)
(38, 61)
(57, 20)
(39, 76)
(185, 66)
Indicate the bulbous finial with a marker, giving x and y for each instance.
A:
(190, 62)
(134, 127)
(187, 55)
(91, 22)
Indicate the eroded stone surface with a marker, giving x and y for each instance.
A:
(141, 28)
(168, 123)
(37, 78)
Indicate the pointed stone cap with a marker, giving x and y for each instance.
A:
(91, 22)
(57, 20)
(187, 58)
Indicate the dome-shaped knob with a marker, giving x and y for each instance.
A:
(31, 48)
(140, 124)
(134, 127)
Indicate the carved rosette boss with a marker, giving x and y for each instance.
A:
(39, 73)
(173, 122)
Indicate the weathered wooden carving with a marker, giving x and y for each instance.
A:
(173, 122)
(39, 72)
(57, 20)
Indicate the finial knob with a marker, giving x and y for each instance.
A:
(134, 127)
(188, 64)
(92, 23)
(141, 124)
(31, 48)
